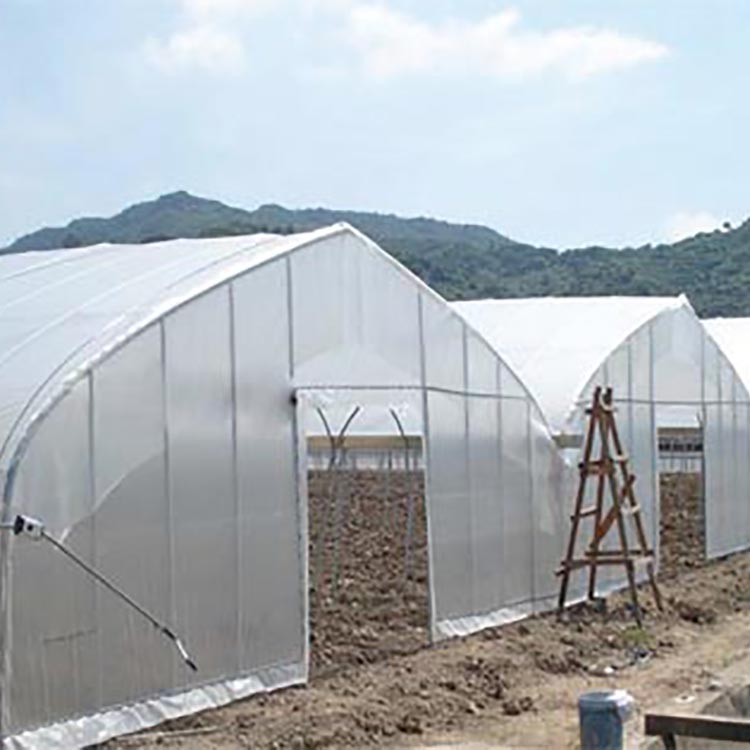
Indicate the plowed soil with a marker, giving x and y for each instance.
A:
(364, 603)
(376, 683)
(682, 523)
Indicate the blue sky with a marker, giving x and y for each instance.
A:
(559, 122)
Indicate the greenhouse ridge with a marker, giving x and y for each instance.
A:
(171, 412)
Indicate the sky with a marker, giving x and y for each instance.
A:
(557, 122)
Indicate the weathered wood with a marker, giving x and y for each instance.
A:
(611, 470)
(695, 725)
(634, 554)
(579, 563)
(580, 495)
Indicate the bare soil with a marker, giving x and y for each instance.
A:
(682, 523)
(364, 603)
(376, 684)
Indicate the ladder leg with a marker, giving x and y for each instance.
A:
(580, 495)
(655, 587)
(606, 429)
(634, 593)
(596, 540)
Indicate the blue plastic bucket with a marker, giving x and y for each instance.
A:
(602, 716)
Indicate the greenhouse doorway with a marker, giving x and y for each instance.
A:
(367, 533)
(681, 465)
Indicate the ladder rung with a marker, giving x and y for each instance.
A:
(622, 560)
(608, 553)
(596, 467)
(609, 560)
(586, 512)
(631, 510)
(620, 457)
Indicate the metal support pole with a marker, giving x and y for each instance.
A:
(337, 456)
(35, 530)
(408, 563)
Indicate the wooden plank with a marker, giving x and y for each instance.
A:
(595, 469)
(634, 553)
(578, 563)
(320, 443)
(694, 725)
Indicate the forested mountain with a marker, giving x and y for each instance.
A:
(460, 261)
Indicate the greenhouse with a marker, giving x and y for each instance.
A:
(673, 386)
(155, 405)
(732, 335)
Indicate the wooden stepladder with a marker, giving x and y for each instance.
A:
(610, 468)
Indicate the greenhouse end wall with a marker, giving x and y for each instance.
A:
(670, 369)
(172, 461)
(663, 367)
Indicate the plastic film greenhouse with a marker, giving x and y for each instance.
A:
(732, 335)
(673, 386)
(157, 404)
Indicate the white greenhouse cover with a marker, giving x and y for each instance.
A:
(154, 406)
(59, 307)
(665, 371)
(556, 344)
(733, 337)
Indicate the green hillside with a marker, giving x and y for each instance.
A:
(460, 261)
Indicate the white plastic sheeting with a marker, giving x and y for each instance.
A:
(155, 401)
(665, 371)
(733, 337)
(556, 343)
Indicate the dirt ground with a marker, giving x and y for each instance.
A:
(376, 684)
(682, 523)
(363, 606)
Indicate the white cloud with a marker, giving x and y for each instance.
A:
(327, 6)
(686, 224)
(214, 8)
(211, 37)
(201, 47)
(391, 43)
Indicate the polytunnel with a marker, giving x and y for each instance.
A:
(667, 376)
(153, 410)
(732, 335)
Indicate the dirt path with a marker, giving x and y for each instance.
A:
(514, 686)
(702, 660)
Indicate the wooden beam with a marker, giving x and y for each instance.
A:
(694, 725)
(366, 442)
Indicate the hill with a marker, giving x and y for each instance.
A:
(460, 261)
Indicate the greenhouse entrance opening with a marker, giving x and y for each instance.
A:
(367, 532)
(681, 487)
